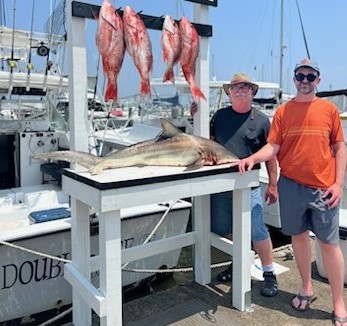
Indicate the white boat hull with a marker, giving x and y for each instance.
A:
(30, 284)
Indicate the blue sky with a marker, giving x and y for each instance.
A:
(246, 37)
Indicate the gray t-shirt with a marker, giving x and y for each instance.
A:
(242, 133)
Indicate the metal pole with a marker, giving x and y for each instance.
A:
(281, 47)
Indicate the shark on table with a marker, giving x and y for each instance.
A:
(172, 147)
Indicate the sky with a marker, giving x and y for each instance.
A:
(246, 37)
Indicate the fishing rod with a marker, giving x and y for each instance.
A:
(96, 79)
(12, 63)
(3, 23)
(30, 65)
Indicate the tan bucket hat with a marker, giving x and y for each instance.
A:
(240, 78)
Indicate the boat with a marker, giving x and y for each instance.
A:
(35, 243)
(34, 212)
(339, 98)
(269, 94)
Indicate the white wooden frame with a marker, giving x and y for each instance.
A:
(121, 188)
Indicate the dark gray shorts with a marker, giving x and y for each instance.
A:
(302, 208)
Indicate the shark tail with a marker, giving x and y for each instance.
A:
(85, 159)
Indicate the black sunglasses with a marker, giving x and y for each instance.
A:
(310, 77)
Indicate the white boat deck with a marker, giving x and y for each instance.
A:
(24, 245)
(16, 204)
(33, 80)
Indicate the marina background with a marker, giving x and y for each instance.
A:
(246, 37)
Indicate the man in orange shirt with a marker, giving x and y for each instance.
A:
(307, 136)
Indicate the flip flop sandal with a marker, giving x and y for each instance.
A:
(226, 275)
(340, 320)
(308, 298)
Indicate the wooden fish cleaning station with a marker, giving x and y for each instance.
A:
(115, 189)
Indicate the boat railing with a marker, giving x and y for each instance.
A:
(22, 109)
(32, 109)
(102, 126)
(107, 123)
(58, 117)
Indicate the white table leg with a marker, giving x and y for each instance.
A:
(202, 248)
(241, 298)
(80, 251)
(110, 266)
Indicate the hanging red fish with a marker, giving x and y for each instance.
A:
(110, 43)
(171, 47)
(139, 46)
(189, 54)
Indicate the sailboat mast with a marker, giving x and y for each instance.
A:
(281, 48)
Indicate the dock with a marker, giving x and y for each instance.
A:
(187, 303)
(193, 304)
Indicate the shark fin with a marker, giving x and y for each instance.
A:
(194, 166)
(169, 130)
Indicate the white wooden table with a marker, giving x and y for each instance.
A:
(114, 189)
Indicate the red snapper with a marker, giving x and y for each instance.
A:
(171, 47)
(110, 43)
(189, 54)
(138, 45)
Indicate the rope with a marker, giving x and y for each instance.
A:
(134, 270)
(303, 30)
(217, 265)
(9, 244)
(50, 321)
(157, 226)
(173, 270)
(140, 270)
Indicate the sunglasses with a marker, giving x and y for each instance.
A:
(239, 87)
(310, 77)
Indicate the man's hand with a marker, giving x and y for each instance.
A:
(333, 195)
(271, 194)
(246, 164)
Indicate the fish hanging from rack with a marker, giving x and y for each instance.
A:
(171, 47)
(139, 47)
(189, 54)
(110, 43)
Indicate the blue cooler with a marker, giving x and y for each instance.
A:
(343, 245)
(49, 215)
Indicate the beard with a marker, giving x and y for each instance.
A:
(305, 88)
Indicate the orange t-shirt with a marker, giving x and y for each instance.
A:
(306, 131)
